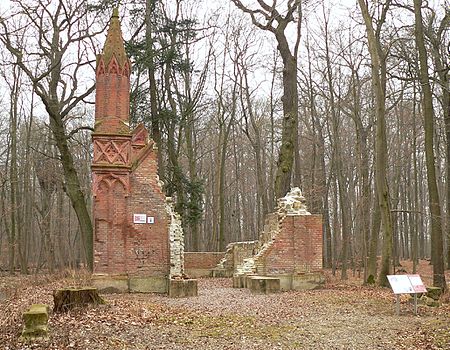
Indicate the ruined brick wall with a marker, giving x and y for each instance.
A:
(296, 248)
(236, 253)
(149, 243)
(125, 181)
(243, 250)
(202, 260)
(125, 247)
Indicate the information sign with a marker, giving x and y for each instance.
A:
(150, 219)
(417, 284)
(406, 284)
(400, 284)
(139, 218)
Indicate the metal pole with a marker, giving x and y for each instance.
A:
(415, 304)
(398, 304)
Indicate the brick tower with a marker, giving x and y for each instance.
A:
(131, 241)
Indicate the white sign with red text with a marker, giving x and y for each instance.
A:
(406, 284)
(140, 218)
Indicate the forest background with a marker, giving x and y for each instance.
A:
(245, 99)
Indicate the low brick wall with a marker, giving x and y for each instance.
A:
(296, 249)
(200, 264)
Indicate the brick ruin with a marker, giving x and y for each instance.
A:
(138, 239)
(289, 248)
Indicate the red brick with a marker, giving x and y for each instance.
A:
(125, 183)
(297, 248)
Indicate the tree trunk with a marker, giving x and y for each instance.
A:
(13, 177)
(290, 91)
(428, 113)
(440, 57)
(290, 119)
(379, 87)
(373, 245)
(155, 124)
(72, 186)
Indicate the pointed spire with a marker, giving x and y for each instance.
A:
(114, 41)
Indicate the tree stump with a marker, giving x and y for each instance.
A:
(70, 298)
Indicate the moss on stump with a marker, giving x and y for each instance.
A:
(70, 298)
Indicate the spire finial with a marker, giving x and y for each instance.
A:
(114, 42)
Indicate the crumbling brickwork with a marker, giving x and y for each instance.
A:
(125, 181)
(290, 247)
(296, 248)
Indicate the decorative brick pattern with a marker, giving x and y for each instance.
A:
(125, 180)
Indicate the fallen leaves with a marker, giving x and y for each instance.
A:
(342, 316)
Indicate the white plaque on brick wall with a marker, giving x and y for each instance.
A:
(150, 219)
(139, 218)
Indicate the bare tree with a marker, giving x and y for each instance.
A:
(378, 60)
(268, 17)
(54, 64)
(428, 115)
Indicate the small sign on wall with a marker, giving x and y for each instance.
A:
(150, 219)
(140, 218)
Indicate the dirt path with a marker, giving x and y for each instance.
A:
(337, 317)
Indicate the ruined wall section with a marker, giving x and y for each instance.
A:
(148, 242)
(138, 238)
(290, 244)
(296, 249)
(176, 241)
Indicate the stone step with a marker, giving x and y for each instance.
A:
(183, 288)
(263, 284)
(219, 272)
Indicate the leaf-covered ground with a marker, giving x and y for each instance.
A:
(340, 316)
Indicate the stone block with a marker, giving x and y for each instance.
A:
(218, 272)
(285, 280)
(308, 281)
(434, 292)
(106, 284)
(263, 284)
(429, 301)
(151, 284)
(35, 323)
(197, 272)
(182, 288)
(239, 281)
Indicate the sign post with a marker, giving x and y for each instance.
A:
(406, 284)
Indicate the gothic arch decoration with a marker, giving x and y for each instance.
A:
(110, 179)
(126, 69)
(101, 67)
(113, 67)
